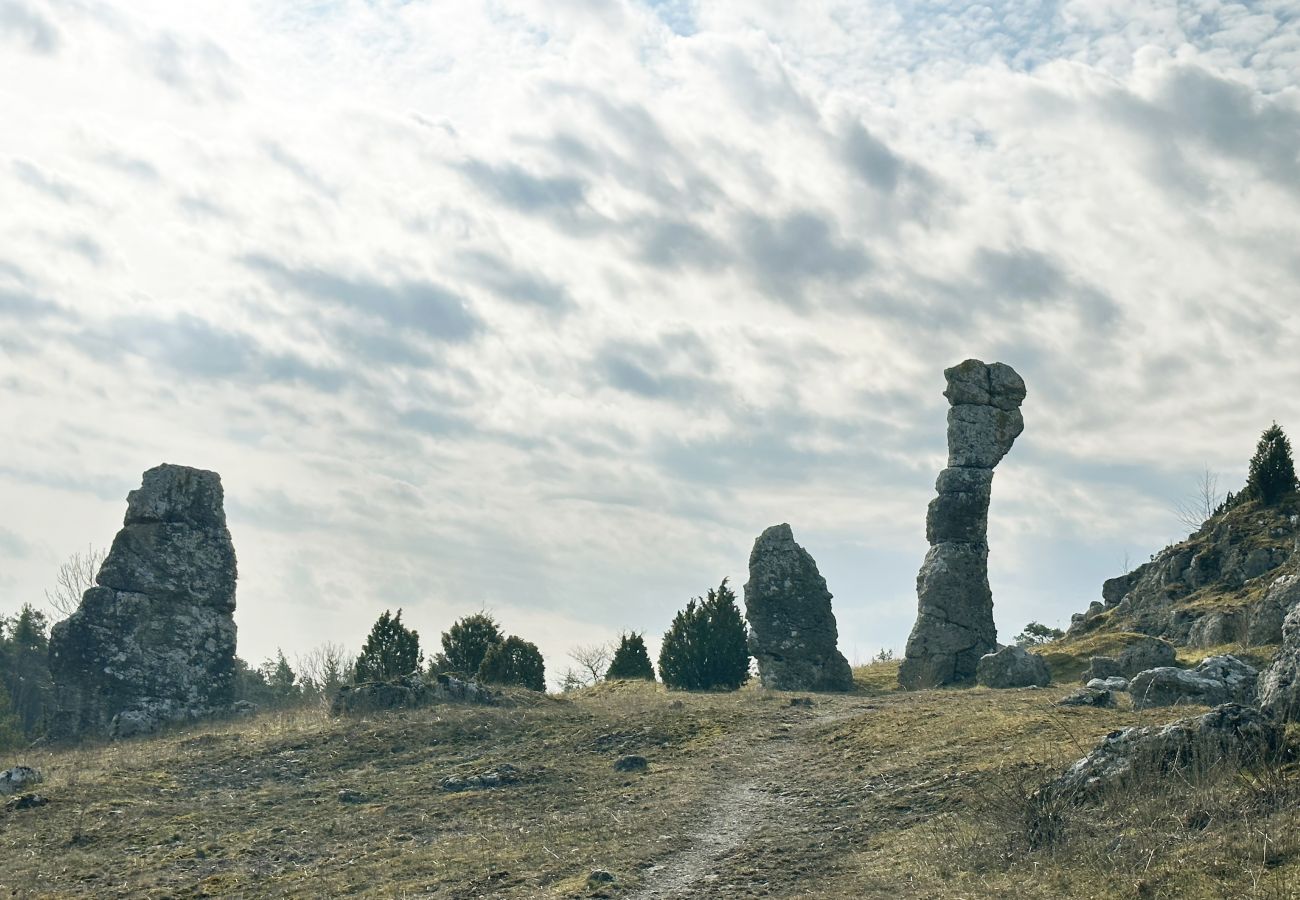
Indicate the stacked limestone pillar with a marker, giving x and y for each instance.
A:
(954, 624)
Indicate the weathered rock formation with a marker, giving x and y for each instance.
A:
(792, 631)
(408, 692)
(1012, 667)
(1229, 735)
(155, 640)
(1217, 680)
(1139, 655)
(954, 624)
(1234, 580)
(1279, 686)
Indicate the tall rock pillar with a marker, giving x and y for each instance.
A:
(155, 640)
(954, 623)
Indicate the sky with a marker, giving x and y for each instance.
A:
(548, 308)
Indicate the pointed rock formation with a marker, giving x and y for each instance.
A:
(954, 624)
(792, 630)
(155, 640)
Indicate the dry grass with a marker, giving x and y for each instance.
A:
(875, 793)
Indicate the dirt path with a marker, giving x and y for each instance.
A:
(762, 812)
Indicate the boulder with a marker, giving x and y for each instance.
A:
(631, 763)
(1231, 735)
(15, 779)
(1147, 653)
(154, 640)
(1279, 686)
(1012, 667)
(1266, 619)
(1217, 680)
(792, 631)
(1102, 667)
(1113, 683)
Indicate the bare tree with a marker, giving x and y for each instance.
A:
(1194, 510)
(75, 577)
(593, 661)
(324, 668)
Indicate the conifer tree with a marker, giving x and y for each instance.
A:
(391, 651)
(1272, 471)
(631, 660)
(514, 661)
(465, 644)
(706, 647)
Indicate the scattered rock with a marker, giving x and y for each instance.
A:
(154, 641)
(244, 709)
(14, 780)
(1088, 696)
(347, 795)
(501, 775)
(1230, 734)
(1147, 653)
(805, 702)
(631, 763)
(1113, 683)
(27, 801)
(599, 877)
(792, 632)
(1217, 680)
(1012, 667)
(1279, 686)
(407, 692)
(954, 624)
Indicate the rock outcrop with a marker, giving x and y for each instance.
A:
(409, 692)
(954, 625)
(1012, 667)
(1217, 680)
(1233, 580)
(1279, 686)
(154, 641)
(792, 631)
(1228, 735)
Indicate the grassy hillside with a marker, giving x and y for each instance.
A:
(873, 794)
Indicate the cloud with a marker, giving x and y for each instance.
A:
(676, 367)
(24, 24)
(521, 190)
(196, 67)
(514, 284)
(788, 252)
(193, 347)
(421, 306)
(47, 183)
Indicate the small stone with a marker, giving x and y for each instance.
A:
(631, 763)
(1087, 696)
(806, 702)
(347, 795)
(1114, 683)
(599, 877)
